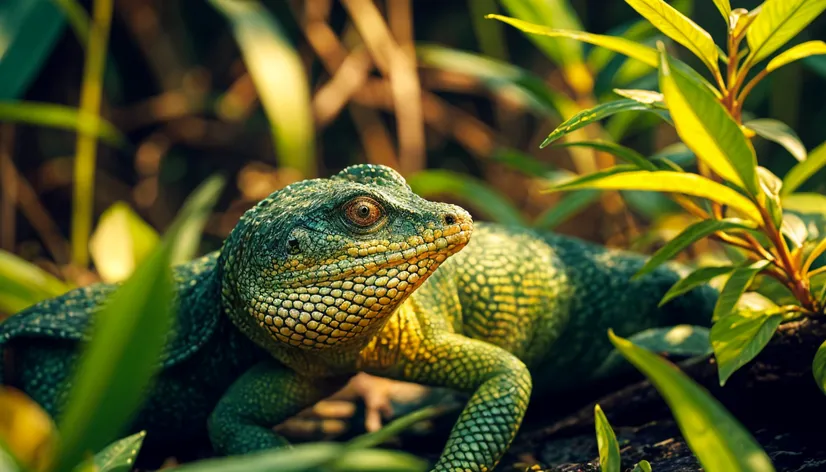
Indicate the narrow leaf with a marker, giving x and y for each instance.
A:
(803, 170)
(778, 22)
(680, 28)
(648, 97)
(120, 455)
(691, 234)
(718, 440)
(667, 181)
(800, 51)
(60, 116)
(693, 280)
(736, 285)
(592, 115)
(609, 455)
(738, 337)
(819, 367)
(625, 153)
(780, 133)
(707, 128)
(567, 206)
(25, 284)
(725, 8)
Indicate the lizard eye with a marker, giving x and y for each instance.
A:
(363, 211)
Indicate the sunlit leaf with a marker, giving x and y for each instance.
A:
(800, 51)
(569, 205)
(680, 28)
(120, 455)
(819, 367)
(625, 153)
(280, 80)
(738, 337)
(121, 241)
(693, 280)
(778, 22)
(803, 170)
(28, 32)
(707, 128)
(734, 288)
(691, 235)
(770, 186)
(725, 8)
(648, 97)
(122, 356)
(24, 284)
(780, 133)
(717, 439)
(667, 181)
(739, 20)
(794, 228)
(485, 199)
(26, 429)
(592, 115)
(609, 455)
(60, 116)
(642, 466)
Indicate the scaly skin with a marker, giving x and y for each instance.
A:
(330, 277)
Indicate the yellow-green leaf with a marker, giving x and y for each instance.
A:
(778, 22)
(717, 439)
(625, 153)
(23, 284)
(680, 28)
(649, 97)
(120, 455)
(693, 280)
(819, 367)
(802, 171)
(669, 181)
(280, 79)
(609, 455)
(642, 466)
(780, 133)
(567, 206)
(737, 338)
(725, 8)
(121, 241)
(707, 128)
(735, 286)
(60, 116)
(802, 50)
(26, 430)
(592, 115)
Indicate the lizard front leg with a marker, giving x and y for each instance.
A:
(261, 398)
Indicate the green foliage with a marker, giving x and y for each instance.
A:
(25, 284)
(59, 116)
(609, 455)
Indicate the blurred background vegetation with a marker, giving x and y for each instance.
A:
(270, 92)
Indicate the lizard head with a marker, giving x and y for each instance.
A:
(324, 261)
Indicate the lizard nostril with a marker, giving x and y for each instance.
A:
(450, 219)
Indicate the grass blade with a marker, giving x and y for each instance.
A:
(60, 116)
(25, 284)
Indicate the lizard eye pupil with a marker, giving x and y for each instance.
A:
(363, 212)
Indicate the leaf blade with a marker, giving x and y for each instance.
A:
(60, 116)
(592, 115)
(802, 171)
(737, 339)
(734, 288)
(778, 22)
(694, 279)
(780, 133)
(609, 455)
(819, 367)
(800, 51)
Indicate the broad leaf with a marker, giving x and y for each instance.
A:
(778, 22)
(717, 439)
(780, 133)
(625, 153)
(691, 234)
(666, 181)
(60, 116)
(609, 455)
(128, 335)
(569, 205)
(803, 170)
(680, 28)
(24, 284)
(725, 8)
(121, 241)
(802, 50)
(707, 128)
(738, 337)
(734, 288)
(592, 115)
(819, 367)
(280, 80)
(693, 280)
(485, 199)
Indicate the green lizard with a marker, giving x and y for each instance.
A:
(329, 277)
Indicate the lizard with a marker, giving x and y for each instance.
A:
(328, 277)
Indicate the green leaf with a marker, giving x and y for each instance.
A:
(680, 28)
(648, 97)
(803, 170)
(599, 112)
(643, 465)
(625, 153)
(128, 335)
(778, 22)
(800, 51)
(736, 285)
(780, 133)
(120, 455)
(771, 185)
(60, 116)
(666, 181)
(738, 337)
(30, 31)
(121, 241)
(483, 197)
(522, 162)
(725, 8)
(567, 206)
(677, 153)
(717, 439)
(707, 128)
(692, 234)
(279, 77)
(609, 455)
(693, 280)
(24, 284)
(819, 367)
